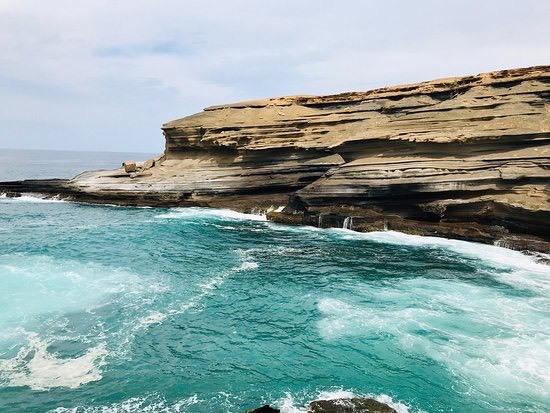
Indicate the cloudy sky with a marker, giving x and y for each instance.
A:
(105, 74)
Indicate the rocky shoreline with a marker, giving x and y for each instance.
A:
(353, 405)
(465, 158)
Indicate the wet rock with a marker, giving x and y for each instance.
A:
(355, 405)
(264, 409)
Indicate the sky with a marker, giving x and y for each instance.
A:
(104, 75)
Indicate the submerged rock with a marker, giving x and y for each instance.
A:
(355, 405)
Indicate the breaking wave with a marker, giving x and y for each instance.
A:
(291, 404)
(196, 212)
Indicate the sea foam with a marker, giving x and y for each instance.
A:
(196, 212)
(491, 253)
(32, 198)
(289, 403)
(145, 404)
(40, 284)
(34, 366)
(456, 324)
(210, 285)
(63, 302)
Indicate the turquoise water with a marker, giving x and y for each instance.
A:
(109, 309)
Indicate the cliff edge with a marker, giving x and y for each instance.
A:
(465, 158)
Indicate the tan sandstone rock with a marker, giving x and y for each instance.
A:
(459, 157)
(129, 166)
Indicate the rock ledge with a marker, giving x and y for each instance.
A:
(465, 158)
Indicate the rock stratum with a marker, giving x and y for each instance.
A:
(465, 158)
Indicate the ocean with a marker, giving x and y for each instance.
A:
(120, 309)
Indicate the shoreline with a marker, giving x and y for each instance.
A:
(465, 158)
(529, 245)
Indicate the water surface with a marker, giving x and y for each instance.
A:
(110, 309)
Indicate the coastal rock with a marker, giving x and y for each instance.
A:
(465, 158)
(129, 166)
(355, 405)
(148, 164)
(264, 409)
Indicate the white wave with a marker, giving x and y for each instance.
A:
(38, 284)
(271, 250)
(517, 269)
(228, 227)
(146, 404)
(516, 365)
(335, 394)
(398, 406)
(207, 288)
(247, 260)
(495, 254)
(35, 367)
(493, 342)
(288, 404)
(341, 319)
(154, 317)
(196, 212)
(275, 226)
(534, 280)
(31, 198)
(212, 283)
(40, 292)
(247, 265)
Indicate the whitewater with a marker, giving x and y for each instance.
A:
(111, 309)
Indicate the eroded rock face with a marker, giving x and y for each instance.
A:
(464, 157)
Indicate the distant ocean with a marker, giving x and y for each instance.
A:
(16, 164)
(119, 309)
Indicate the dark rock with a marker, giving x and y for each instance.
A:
(264, 409)
(51, 187)
(355, 405)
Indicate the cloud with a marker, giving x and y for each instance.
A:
(105, 75)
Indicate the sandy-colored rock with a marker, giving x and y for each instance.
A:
(129, 166)
(148, 164)
(457, 156)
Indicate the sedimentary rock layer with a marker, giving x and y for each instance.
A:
(462, 157)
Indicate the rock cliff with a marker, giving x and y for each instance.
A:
(465, 158)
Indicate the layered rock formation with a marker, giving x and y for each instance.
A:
(464, 157)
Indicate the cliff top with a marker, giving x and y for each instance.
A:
(455, 84)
